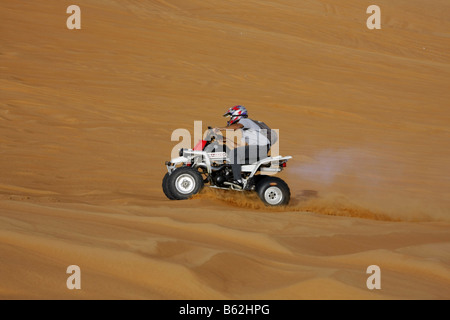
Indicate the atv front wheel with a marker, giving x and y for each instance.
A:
(273, 191)
(183, 183)
(165, 187)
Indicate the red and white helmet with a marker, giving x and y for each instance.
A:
(236, 113)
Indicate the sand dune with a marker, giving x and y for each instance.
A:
(86, 118)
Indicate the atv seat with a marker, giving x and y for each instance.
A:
(251, 160)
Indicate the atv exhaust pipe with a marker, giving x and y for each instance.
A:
(233, 186)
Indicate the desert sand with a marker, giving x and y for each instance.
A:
(86, 118)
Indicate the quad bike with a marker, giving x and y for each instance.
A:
(208, 164)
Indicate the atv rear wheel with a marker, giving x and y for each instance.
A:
(273, 191)
(183, 183)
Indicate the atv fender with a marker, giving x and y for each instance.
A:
(179, 160)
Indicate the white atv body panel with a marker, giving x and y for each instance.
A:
(253, 168)
(205, 159)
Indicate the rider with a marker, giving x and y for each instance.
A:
(254, 146)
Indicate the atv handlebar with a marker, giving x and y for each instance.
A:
(210, 136)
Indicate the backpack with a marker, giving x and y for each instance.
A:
(270, 134)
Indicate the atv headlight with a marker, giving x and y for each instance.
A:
(181, 152)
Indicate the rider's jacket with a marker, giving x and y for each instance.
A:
(251, 133)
